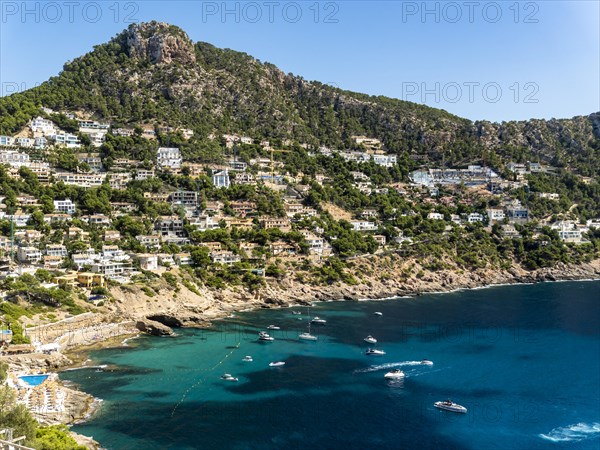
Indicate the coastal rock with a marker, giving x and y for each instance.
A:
(37, 362)
(87, 442)
(166, 319)
(153, 328)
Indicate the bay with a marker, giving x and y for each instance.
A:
(524, 360)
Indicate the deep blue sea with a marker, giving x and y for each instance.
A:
(524, 360)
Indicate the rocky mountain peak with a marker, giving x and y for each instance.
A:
(159, 42)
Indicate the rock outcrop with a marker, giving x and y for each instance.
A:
(160, 43)
(153, 328)
(38, 362)
(166, 319)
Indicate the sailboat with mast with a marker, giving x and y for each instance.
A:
(306, 336)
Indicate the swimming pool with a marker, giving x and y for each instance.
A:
(34, 380)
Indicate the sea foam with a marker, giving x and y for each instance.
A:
(577, 432)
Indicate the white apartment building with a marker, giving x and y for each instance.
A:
(169, 157)
(84, 259)
(385, 160)
(40, 142)
(64, 206)
(147, 261)
(56, 250)
(221, 179)
(119, 180)
(14, 159)
(149, 241)
(66, 139)
(29, 255)
(435, 216)
(496, 214)
(569, 231)
(363, 226)
(81, 179)
(204, 222)
(41, 125)
(225, 257)
(25, 142)
(475, 217)
(109, 268)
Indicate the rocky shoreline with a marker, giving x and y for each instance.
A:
(136, 315)
(191, 310)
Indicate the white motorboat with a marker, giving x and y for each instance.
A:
(247, 359)
(426, 362)
(273, 327)
(370, 340)
(276, 364)
(374, 352)
(228, 377)
(449, 405)
(263, 336)
(307, 337)
(394, 374)
(317, 319)
(378, 313)
(296, 313)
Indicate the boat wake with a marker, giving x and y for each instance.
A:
(71, 369)
(575, 433)
(388, 366)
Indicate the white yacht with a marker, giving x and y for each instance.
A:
(378, 313)
(263, 336)
(317, 319)
(247, 359)
(394, 374)
(426, 362)
(370, 340)
(228, 377)
(276, 364)
(273, 327)
(374, 352)
(449, 405)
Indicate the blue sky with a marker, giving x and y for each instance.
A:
(481, 60)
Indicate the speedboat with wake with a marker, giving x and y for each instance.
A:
(394, 374)
(370, 340)
(247, 359)
(426, 362)
(449, 405)
(228, 377)
(264, 336)
(374, 352)
(276, 364)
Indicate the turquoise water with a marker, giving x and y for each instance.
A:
(524, 360)
(34, 380)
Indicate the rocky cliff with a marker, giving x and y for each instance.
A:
(159, 43)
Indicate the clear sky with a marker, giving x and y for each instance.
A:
(481, 60)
